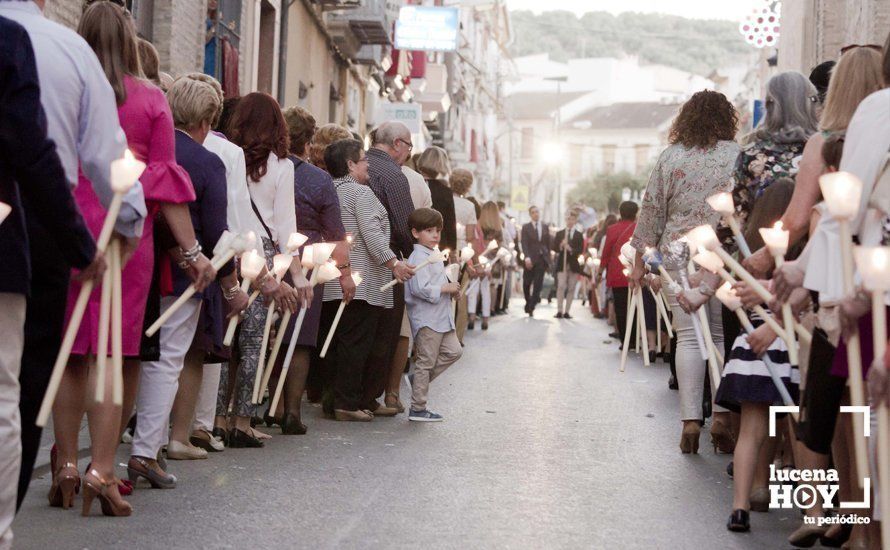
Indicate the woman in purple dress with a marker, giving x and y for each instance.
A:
(318, 217)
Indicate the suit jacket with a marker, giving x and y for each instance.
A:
(537, 250)
(32, 179)
(576, 244)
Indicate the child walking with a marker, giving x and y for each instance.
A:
(428, 299)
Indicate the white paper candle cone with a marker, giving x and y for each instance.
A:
(295, 241)
(102, 341)
(452, 272)
(5, 209)
(327, 272)
(280, 264)
(306, 260)
(466, 254)
(321, 252)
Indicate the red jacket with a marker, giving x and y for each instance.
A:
(616, 236)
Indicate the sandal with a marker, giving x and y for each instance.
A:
(64, 486)
(392, 401)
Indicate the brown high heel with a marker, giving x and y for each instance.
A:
(689, 437)
(65, 484)
(95, 486)
(721, 438)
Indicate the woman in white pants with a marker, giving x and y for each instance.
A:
(194, 106)
(492, 227)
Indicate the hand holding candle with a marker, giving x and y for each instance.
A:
(776, 240)
(124, 173)
(251, 266)
(357, 279)
(723, 204)
(435, 256)
(280, 265)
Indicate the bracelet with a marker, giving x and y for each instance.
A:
(183, 265)
(347, 265)
(191, 255)
(230, 293)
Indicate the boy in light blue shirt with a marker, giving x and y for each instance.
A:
(428, 299)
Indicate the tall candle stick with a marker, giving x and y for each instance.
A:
(874, 268)
(102, 341)
(124, 173)
(117, 354)
(842, 192)
(435, 256)
(280, 264)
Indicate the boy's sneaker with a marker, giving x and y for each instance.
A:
(424, 416)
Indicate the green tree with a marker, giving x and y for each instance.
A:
(603, 191)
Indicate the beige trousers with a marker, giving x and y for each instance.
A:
(12, 334)
(565, 290)
(434, 352)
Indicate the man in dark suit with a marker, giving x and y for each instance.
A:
(568, 244)
(536, 249)
(33, 184)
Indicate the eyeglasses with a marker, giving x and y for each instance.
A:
(407, 143)
(363, 159)
(875, 47)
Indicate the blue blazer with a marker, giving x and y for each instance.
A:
(32, 179)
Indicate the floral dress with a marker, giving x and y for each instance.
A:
(759, 165)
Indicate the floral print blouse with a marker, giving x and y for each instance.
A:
(675, 198)
(759, 165)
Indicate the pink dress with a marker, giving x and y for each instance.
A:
(147, 122)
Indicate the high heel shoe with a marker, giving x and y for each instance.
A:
(142, 467)
(738, 521)
(112, 505)
(291, 425)
(239, 439)
(721, 438)
(64, 486)
(271, 420)
(690, 436)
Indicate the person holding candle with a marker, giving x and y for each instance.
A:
(465, 214)
(145, 117)
(194, 408)
(81, 120)
(318, 212)
(617, 235)
(435, 167)
(35, 190)
(365, 218)
(194, 105)
(258, 127)
(699, 162)
(428, 299)
(568, 244)
(391, 147)
(480, 286)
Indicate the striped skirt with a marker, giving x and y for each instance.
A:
(746, 378)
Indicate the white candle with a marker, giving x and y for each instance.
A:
(125, 171)
(5, 209)
(593, 252)
(357, 279)
(295, 241)
(841, 192)
(321, 252)
(776, 239)
(722, 203)
(306, 260)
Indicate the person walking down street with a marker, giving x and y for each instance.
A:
(699, 163)
(536, 251)
(428, 297)
(568, 245)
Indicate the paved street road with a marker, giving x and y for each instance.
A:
(545, 445)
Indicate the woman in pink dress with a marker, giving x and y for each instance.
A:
(146, 120)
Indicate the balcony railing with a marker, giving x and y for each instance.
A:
(370, 22)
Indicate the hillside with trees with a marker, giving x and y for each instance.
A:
(693, 45)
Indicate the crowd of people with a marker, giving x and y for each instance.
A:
(758, 322)
(354, 255)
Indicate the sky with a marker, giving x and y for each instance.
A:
(734, 10)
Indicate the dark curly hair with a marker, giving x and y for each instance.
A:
(258, 127)
(708, 117)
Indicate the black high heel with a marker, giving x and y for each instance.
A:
(271, 420)
(221, 434)
(291, 425)
(738, 521)
(242, 440)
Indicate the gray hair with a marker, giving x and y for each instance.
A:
(790, 109)
(388, 132)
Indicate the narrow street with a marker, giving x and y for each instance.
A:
(545, 445)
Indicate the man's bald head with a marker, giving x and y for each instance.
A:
(394, 138)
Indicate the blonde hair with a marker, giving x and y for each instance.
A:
(326, 135)
(192, 102)
(490, 218)
(461, 181)
(856, 76)
(217, 87)
(433, 164)
(151, 63)
(111, 35)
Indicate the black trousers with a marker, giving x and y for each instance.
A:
(350, 351)
(44, 323)
(532, 281)
(389, 327)
(821, 398)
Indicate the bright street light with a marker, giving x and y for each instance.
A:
(552, 153)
